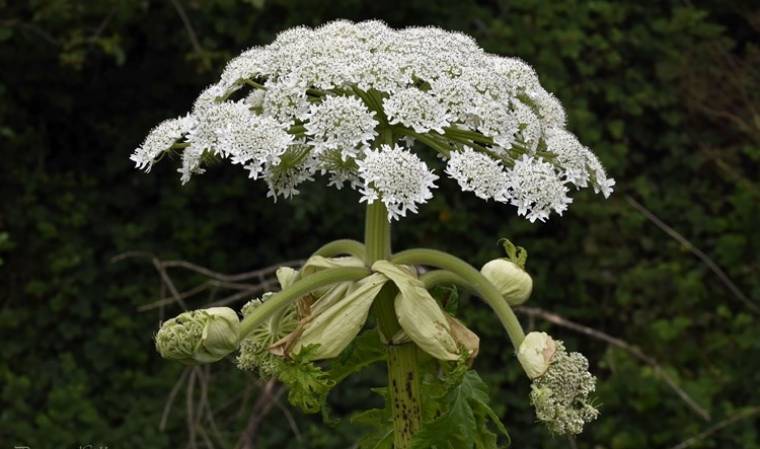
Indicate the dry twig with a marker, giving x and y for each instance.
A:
(261, 408)
(188, 26)
(697, 252)
(744, 414)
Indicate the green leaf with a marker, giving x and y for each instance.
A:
(365, 350)
(464, 417)
(448, 296)
(308, 384)
(379, 421)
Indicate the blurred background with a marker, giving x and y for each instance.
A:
(663, 278)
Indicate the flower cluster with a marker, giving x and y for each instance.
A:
(561, 384)
(338, 100)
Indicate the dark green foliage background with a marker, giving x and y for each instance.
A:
(663, 91)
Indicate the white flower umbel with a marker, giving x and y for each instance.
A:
(293, 168)
(340, 123)
(159, 141)
(536, 189)
(571, 155)
(497, 121)
(397, 177)
(213, 121)
(337, 87)
(478, 173)
(255, 141)
(285, 101)
(416, 109)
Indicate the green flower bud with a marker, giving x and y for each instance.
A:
(561, 394)
(199, 336)
(535, 353)
(514, 283)
(286, 276)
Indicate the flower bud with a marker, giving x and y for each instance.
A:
(199, 336)
(418, 313)
(535, 353)
(514, 283)
(286, 276)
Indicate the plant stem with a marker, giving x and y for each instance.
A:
(472, 277)
(342, 247)
(403, 376)
(442, 277)
(299, 289)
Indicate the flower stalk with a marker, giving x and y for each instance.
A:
(341, 248)
(403, 374)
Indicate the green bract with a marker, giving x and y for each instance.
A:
(421, 318)
(199, 336)
(332, 325)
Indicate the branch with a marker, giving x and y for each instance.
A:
(697, 252)
(217, 280)
(261, 408)
(266, 271)
(170, 399)
(188, 26)
(744, 414)
(636, 352)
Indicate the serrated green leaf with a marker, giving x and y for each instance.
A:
(464, 417)
(379, 420)
(365, 350)
(308, 384)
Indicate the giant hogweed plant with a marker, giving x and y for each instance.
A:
(358, 103)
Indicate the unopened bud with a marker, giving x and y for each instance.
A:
(535, 353)
(514, 283)
(199, 336)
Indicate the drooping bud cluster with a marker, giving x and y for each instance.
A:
(324, 100)
(561, 384)
(325, 322)
(199, 336)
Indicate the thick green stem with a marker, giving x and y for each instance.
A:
(482, 286)
(405, 393)
(404, 388)
(442, 277)
(341, 248)
(299, 289)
